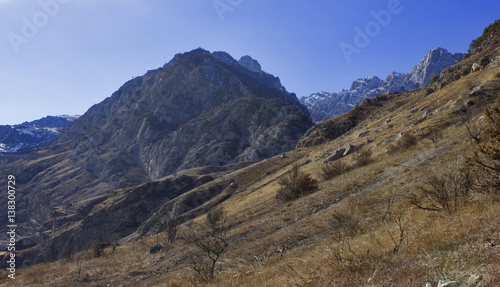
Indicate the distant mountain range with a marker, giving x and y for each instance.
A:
(28, 136)
(324, 105)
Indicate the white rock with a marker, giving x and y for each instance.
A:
(474, 279)
(475, 67)
(445, 283)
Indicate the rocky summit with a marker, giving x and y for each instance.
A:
(323, 105)
(200, 109)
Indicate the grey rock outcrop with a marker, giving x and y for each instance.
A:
(432, 64)
(349, 149)
(335, 155)
(251, 64)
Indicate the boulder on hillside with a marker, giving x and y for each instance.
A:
(336, 155)
(350, 149)
(155, 249)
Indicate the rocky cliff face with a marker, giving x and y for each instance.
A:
(432, 64)
(323, 105)
(28, 136)
(200, 109)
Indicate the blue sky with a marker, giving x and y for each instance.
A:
(63, 56)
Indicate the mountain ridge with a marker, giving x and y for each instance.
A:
(194, 84)
(29, 136)
(326, 105)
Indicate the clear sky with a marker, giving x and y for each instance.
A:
(62, 56)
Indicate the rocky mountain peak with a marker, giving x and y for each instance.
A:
(251, 64)
(432, 64)
(369, 83)
(200, 109)
(224, 56)
(322, 106)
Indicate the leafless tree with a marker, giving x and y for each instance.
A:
(211, 241)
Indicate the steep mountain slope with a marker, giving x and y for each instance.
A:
(28, 136)
(324, 106)
(201, 109)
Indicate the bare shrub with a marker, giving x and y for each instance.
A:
(332, 170)
(211, 241)
(364, 158)
(296, 184)
(170, 224)
(407, 141)
(349, 267)
(435, 135)
(345, 224)
(98, 249)
(447, 192)
(403, 230)
(487, 150)
(404, 143)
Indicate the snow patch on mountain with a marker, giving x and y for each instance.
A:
(28, 136)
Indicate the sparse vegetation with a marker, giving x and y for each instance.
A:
(487, 153)
(402, 233)
(296, 184)
(407, 141)
(447, 192)
(489, 32)
(434, 79)
(435, 135)
(171, 223)
(211, 241)
(98, 250)
(334, 169)
(358, 228)
(364, 158)
(345, 224)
